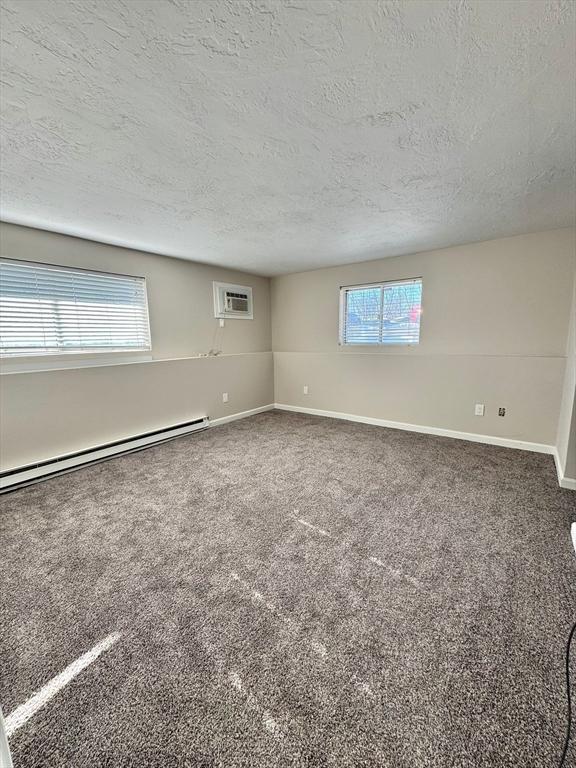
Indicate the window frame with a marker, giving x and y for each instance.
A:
(18, 361)
(378, 344)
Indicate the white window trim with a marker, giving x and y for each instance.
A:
(76, 358)
(344, 345)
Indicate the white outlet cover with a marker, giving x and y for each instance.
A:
(479, 409)
(305, 389)
(224, 397)
(573, 531)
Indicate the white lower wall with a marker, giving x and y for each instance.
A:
(430, 390)
(50, 413)
(566, 439)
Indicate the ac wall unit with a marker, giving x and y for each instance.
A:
(233, 301)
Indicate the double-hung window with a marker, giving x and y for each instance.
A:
(47, 310)
(381, 313)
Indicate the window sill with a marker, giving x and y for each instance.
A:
(67, 360)
(379, 347)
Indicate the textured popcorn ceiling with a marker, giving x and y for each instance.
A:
(279, 136)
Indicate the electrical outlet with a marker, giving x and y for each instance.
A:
(224, 397)
(479, 409)
(222, 321)
(305, 389)
(501, 411)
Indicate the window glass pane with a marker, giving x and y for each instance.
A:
(45, 309)
(363, 310)
(401, 313)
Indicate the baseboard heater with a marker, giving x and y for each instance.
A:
(42, 470)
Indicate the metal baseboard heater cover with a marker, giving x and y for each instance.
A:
(42, 470)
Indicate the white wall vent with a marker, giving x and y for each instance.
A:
(233, 301)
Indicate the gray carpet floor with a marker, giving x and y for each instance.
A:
(292, 591)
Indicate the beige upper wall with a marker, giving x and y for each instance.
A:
(507, 296)
(180, 300)
(501, 297)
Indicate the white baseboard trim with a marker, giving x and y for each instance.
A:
(564, 482)
(241, 415)
(504, 442)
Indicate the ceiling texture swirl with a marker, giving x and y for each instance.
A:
(280, 136)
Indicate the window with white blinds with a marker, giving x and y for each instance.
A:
(48, 309)
(381, 313)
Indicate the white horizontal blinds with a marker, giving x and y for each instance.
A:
(46, 309)
(384, 313)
